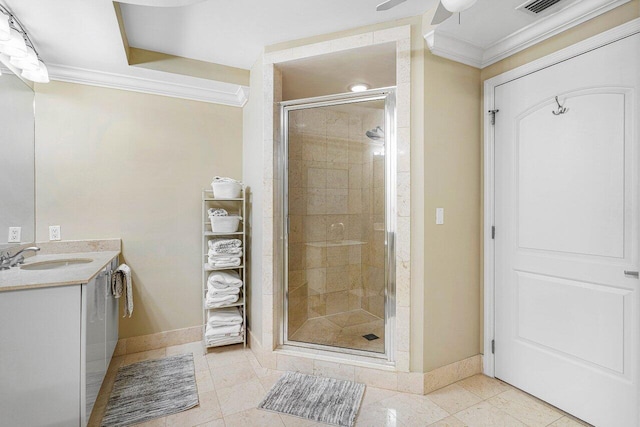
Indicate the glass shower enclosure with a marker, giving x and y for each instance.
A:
(339, 205)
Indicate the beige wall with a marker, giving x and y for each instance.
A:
(452, 181)
(252, 176)
(112, 163)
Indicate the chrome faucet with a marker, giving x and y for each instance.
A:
(7, 261)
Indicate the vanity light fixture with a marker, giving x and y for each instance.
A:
(5, 28)
(358, 87)
(28, 62)
(16, 44)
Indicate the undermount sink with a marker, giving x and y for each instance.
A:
(55, 264)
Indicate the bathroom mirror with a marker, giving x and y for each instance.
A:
(17, 162)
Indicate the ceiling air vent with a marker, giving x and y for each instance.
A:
(536, 7)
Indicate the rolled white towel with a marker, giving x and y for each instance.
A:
(224, 279)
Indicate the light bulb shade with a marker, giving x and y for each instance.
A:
(5, 29)
(29, 62)
(358, 87)
(15, 46)
(40, 75)
(457, 6)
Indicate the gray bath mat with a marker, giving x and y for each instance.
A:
(151, 389)
(326, 400)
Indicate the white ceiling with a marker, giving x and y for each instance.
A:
(487, 22)
(234, 32)
(80, 40)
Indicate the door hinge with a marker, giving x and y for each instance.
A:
(493, 231)
(493, 116)
(493, 346)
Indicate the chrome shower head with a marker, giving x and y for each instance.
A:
(376, 134)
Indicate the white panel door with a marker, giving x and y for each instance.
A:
(566, 215)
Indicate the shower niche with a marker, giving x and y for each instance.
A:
(338, 195)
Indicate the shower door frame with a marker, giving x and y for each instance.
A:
(387, 94)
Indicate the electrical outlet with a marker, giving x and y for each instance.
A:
(14, 234)
(54, 232)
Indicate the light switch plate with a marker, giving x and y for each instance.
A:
(54, 232)
(439, 216)
(14, 234)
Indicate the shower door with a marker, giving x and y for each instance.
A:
(339, 199)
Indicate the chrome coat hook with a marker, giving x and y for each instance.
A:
(561, 109)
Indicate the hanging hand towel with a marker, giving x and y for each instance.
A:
(122, 279)
(117, 284)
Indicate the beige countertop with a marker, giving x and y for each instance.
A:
(17, 279)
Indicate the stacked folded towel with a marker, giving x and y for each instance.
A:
(225, 247)
(228, 316)
(224, 253)
(223, 261)
(215, 301)
(224, 279)
(224, 326)
(223, 288)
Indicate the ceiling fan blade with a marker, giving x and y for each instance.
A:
(441, 14)
(388, 4)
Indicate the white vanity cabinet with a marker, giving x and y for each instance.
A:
(100, 326)
(40, 356)
(55, 346)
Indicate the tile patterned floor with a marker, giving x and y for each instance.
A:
(344, 330)
(231, 383)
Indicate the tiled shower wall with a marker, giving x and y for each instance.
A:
(336, 213)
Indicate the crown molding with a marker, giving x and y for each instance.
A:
(447, 45)
(161, 3)
(208, 91)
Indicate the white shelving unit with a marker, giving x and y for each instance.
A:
(236, 206)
